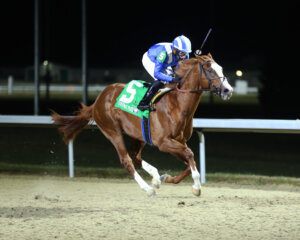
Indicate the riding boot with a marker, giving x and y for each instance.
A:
(152, 90)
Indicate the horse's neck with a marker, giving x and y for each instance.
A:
(192, 79)
(188, 102)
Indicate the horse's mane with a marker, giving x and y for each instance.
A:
(185, 66)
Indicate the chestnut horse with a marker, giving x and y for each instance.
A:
(171, 123)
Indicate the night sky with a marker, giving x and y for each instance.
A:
(119, 33)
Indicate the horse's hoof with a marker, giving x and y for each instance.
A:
(164, 177)
(156, 183)
(151, 193)
(196, 192)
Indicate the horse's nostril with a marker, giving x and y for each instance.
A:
(226, 90)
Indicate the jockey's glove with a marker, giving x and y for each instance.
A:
(198, 52)
(176, 80)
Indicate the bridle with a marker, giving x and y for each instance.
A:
(216, 89)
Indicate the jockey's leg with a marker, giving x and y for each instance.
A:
(152, 90)
(135, 153)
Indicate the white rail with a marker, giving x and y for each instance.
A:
(239, 125)
(201, 125)
(248, 125)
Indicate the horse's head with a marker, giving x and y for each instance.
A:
(204, 74)
(212, 77)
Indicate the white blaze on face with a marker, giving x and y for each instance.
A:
(218, 69)
(226, 92)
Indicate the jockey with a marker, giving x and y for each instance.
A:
(159, 62)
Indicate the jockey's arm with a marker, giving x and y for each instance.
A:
(158, 73)
(159, 67)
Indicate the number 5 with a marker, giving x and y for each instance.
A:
(131, 91)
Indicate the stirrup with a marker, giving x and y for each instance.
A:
(152, 109)
(142, 107)
(146, 107)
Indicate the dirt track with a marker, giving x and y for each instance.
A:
(59, 208)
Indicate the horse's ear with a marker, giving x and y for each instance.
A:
(199, 57)
(209, 55)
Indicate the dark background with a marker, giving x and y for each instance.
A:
(119, 33)
(259, 35)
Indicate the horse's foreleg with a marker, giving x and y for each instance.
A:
(184, 153)
(135, 153)
(177, 179)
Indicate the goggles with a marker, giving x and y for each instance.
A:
(181, 54)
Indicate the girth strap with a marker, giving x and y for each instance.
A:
(145, 123)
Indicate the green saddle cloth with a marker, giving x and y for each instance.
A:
(131, 96)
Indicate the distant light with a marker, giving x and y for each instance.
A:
(239, 73)
(45, 63)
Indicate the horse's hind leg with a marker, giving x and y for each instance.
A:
(136, 155)
(116, 137)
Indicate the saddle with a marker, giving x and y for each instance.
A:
(160, 93)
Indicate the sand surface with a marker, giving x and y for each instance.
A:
(33, 207)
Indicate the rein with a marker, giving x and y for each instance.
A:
(192, 91)
(215, 89)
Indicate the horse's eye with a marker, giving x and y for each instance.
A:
(210, 70)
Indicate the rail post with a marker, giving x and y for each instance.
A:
(202, 156)
(71, 159)
(10, 82)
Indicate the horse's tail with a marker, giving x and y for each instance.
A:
(71, 126)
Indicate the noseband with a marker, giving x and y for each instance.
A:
(216, 90)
